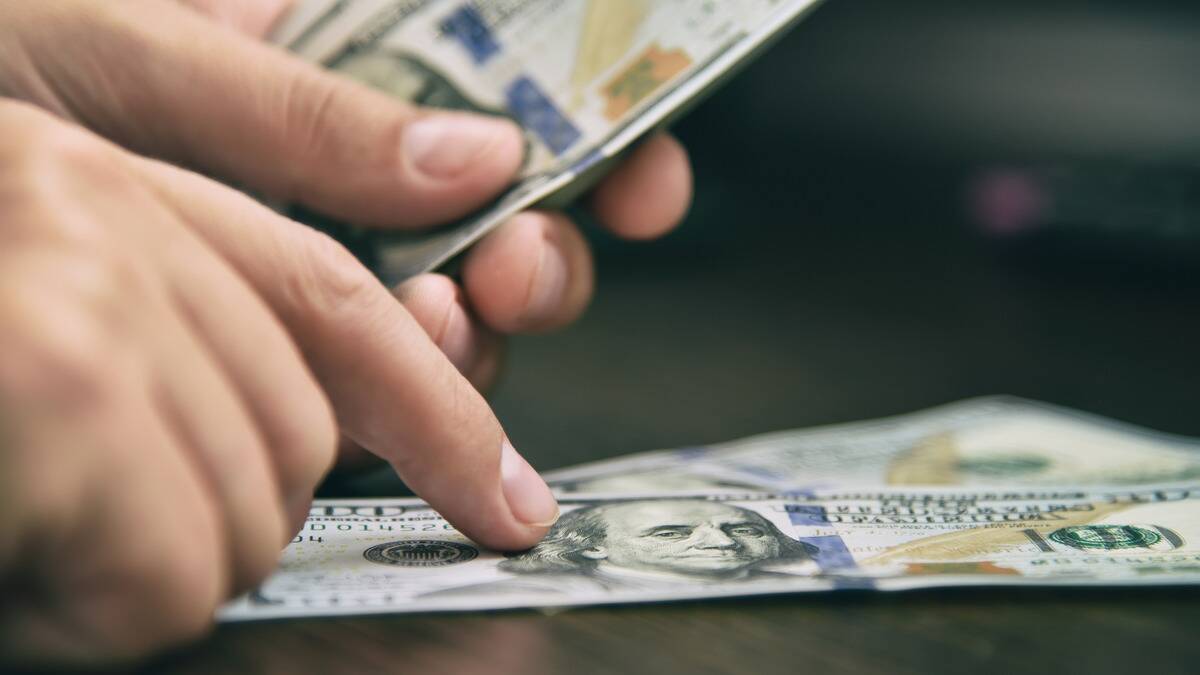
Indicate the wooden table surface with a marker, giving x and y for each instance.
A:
(815, 282)
(920, 633)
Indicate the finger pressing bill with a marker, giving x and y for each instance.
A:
(393, 390)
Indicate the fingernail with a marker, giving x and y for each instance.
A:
(549, 283)
(443, 145)
(528, 497)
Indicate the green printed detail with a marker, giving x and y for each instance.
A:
(1167, 569)
(1106, 537)
(1004, 465)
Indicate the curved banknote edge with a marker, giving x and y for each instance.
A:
(371, 556)
(583, 78)
(998, 440)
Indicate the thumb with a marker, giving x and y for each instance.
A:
(253, 17)
(173, 84)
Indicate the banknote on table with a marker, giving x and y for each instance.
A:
(985, 441)
(583, 78)
(370, 556)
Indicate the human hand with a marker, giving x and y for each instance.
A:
(208, 95)
(169, 354)
(164, 82)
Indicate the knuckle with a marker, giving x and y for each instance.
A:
(184, 621)
(109, 301)
(263, 15)
(183, 600)
(464, 418)
(182, 583)
(49, 160)
(47, 143)
(171, 586)
(327, 280)
(312, 455)
(76, 362)
(311, 101)
(22, 115)
(331, 123)
(253, 17)
(49, 486)
(258, 559)
(114, 287)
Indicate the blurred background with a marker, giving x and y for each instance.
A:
(899, 205)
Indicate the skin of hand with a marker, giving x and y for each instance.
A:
(172, 87)
(177, 360)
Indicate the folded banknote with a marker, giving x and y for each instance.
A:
(583, 78)
(368, 556)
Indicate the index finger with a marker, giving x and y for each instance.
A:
(393, 390)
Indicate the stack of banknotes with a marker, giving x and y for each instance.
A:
(986, 492)
(583, 78)
(994, 491)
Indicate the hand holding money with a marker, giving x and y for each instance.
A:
(128, 398)
(165, 83)
(174, 353)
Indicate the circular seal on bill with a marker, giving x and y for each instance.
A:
(1106, 537)
(421, 553)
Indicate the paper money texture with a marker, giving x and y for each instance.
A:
(398, 556)
(583, 78)
(999, 440)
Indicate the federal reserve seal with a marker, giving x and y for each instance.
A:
(1106, 537)
(421, 553)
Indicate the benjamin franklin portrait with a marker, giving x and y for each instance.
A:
(653, 545)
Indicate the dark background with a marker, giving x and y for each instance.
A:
(830, 272)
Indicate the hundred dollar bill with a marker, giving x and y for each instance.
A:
(986, 441)
(370, 556)
(583, 78)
